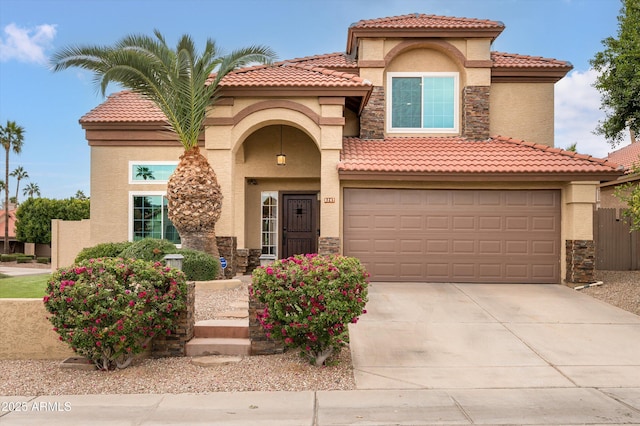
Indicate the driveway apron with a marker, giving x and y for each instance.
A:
(492, 336)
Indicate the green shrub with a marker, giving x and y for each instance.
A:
(44, 260)
(109, 309)
(198, 265)
(150, 249)
(24, 259)
(7, 257)
(310, 300)
(102, 250)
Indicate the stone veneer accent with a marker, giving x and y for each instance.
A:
(247, 260)
(227, 246)
(475, 115)
(372, 117)
(173, 345)
(329, 245)
(580, 261)
(260, 343)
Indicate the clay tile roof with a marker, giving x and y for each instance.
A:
(329, 60)
(513, 60)
(435, 155)
(291, 74)
(420, 20)
(125, 106)
(628, 156)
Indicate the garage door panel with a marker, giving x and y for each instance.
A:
(454, 235)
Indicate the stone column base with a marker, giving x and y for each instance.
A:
(329, 245)
(580, 261)
(173, 345)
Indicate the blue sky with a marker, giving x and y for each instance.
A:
(48, 105)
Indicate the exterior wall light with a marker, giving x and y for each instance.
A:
(281, 159)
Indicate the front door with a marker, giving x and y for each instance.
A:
(299, 224)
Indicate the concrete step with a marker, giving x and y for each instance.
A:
(228, 329)
(202, 346)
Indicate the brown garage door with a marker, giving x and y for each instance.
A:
(481, 236)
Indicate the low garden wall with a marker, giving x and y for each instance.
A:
(26, 333)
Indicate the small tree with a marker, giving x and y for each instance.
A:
(33, 217)
(619, 79)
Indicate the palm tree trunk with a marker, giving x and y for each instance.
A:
(195, 202)
(6, 202)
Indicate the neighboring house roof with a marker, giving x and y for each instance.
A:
(12, 223)
(449, 156)
(628, 156)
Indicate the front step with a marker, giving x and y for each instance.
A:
(228, 329)
(202, 346)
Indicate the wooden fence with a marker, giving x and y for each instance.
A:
(617, 249)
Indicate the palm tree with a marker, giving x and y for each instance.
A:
(11, 138)
(19, 173)
(31, 189)
(183, 83)
(145, 173)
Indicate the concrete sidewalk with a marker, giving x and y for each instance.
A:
(562, 406)
(15, 271)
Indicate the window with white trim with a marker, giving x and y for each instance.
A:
(150, 218)
(151, 171)
(269, 222)
(423, 102)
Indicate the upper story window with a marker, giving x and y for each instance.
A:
(422, 102)
(151, 171)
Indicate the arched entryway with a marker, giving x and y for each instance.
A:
(281, 208)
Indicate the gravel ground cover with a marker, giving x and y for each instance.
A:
(619, 288)
(282, 372)
(287, 372)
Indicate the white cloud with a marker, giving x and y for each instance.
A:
(577, 112)
(26, 44)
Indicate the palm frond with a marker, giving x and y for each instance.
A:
(176, 80)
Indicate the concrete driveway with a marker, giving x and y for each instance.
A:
(543, 348)
(446, 336)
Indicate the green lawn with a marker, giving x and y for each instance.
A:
(24, 287)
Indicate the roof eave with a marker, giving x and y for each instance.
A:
(477, 177)
(529, 74)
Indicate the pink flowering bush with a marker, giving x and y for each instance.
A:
(310, 300)
(109, 309)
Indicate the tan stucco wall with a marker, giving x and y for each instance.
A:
(522, 111)
(68, 237)
(110, 187)
(25, 332)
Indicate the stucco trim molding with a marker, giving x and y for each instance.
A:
(273, 104)
(439, 45)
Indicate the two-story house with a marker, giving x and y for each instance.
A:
(418, 150)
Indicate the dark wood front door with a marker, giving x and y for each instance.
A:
(299, 224)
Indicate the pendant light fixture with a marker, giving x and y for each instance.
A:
(281, 159)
